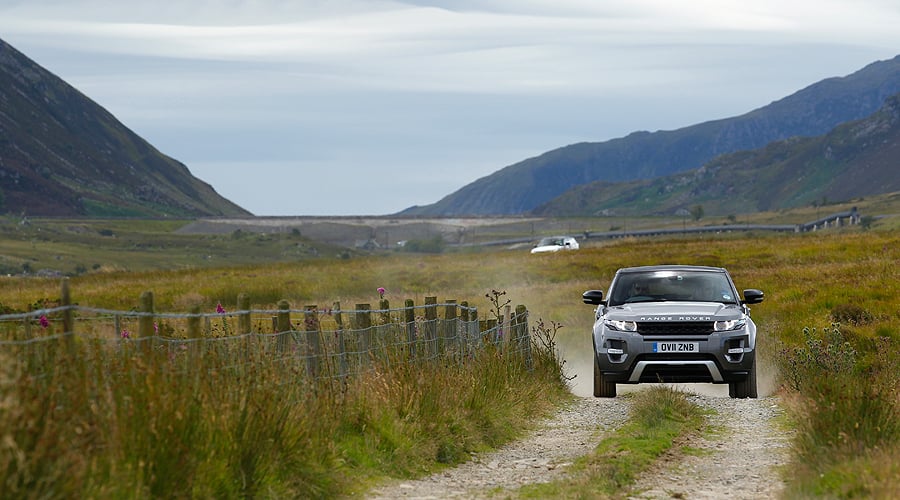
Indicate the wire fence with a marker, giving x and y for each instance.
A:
(312, 343)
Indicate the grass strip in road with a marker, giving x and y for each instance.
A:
(659, 417)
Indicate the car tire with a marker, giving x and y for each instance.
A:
(602, 387)
(745, 388)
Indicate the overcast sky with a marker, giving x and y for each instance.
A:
(367, 107)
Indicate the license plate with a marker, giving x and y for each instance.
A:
(676, 347)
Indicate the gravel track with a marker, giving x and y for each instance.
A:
(738, 460)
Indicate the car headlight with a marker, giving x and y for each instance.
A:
(732, 324)
(622, 326)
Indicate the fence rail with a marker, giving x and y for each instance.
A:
(312, 342)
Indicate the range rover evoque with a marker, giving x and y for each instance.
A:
(674, 323)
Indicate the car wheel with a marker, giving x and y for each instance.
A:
(602, 387)
(745, 388)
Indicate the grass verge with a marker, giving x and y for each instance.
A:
(846, 409)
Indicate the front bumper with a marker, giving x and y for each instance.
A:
(628, 358)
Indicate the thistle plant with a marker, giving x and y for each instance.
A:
(498, 301)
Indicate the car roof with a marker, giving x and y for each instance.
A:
(670, 267)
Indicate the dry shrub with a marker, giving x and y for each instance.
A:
(851, 314)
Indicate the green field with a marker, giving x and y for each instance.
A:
(830, 327)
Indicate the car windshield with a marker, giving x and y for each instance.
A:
(679, 285)
(550, 241)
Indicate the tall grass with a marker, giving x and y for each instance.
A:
(124, 420)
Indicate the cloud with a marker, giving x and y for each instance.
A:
(315, 87)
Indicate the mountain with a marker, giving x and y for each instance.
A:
(854, 160)
(813, 111)
(61, 154)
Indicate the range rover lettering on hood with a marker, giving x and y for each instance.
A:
(675, 318)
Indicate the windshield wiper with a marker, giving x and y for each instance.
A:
(633, 300)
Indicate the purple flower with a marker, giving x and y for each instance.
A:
(126, 334)
(220, 309)
(381, 291)
(44, 321)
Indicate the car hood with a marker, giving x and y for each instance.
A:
(674, 311)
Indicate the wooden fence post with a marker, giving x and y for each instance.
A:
(145, 323)
(385, 314)
(464, 326)
(194, 333)
(342, 350)
(474, 326)
(283, 324)
(430, 325)
(409, 313)
(313, 346)
(68, 316)
(193, 323)
(522, 333)
(364, 325)
(490, 326)
(244, 325)
(26, 324)
(505, 329)
(243, 305)
(450, 324)
(383, 328)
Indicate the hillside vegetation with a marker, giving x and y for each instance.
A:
(829, 330)
(856, 159)
(63, 154)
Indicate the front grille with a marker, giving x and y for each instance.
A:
(675, 328)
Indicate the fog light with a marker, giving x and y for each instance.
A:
(615, 352)
(735, 350)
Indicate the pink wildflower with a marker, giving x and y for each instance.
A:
(126, 334)
(220, 309)
(381, 291)
(44, 321)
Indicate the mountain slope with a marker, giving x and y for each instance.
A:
(813, 111)
(62, 154)
(855, 159)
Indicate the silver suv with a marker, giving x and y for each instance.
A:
(674, 324)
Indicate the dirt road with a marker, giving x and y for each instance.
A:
(738, 459)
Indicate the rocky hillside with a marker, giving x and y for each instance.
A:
(61, 154)
(813, 111)
(856, 159)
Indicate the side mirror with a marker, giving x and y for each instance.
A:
(753, 296)
(594, 297)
